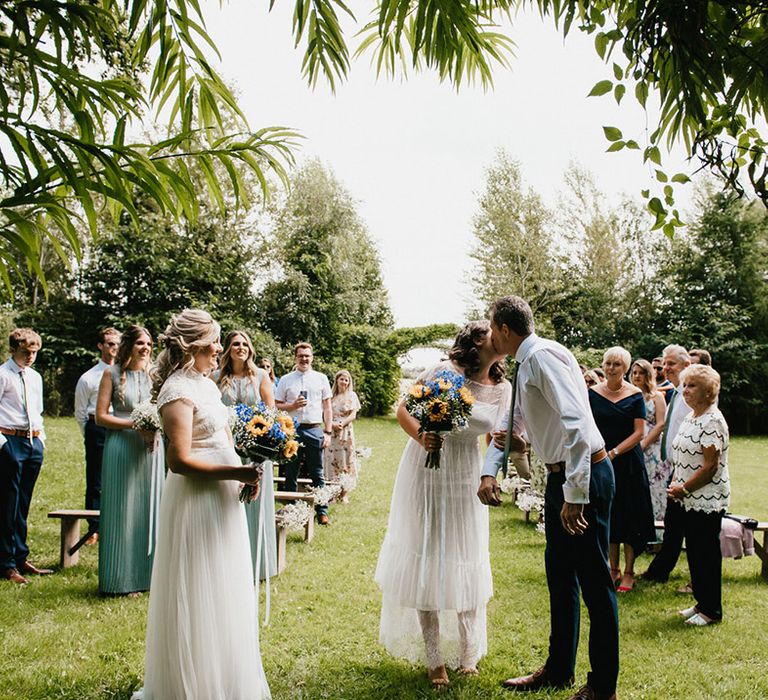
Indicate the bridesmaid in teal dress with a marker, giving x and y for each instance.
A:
(125, 567)
(240, 381)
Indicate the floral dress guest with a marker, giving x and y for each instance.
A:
(340, 457)
(659, 470)
(434, 567)
(125, 567)
(619, 412)
(701, 484)
(240, 381)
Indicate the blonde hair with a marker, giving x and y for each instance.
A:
(335, 389)
(708, 377)
(225, 369)
(648, 385)
(618, 353)
(188, 332)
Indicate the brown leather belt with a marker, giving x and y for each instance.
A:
(91, 418)
(556, 467)
(20, 432)
(309, 426)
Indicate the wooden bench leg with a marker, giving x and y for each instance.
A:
(281, 535)
(309, 528)
(70, 534)
(763, 555)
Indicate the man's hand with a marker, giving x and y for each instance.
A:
(326, 440)
(489, 492)
(516, 444)
(572, 517)
(300, 402)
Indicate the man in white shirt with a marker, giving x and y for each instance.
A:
(86, 392)
(551, 407)
(676, 359)
(22, 440)
(306, 395)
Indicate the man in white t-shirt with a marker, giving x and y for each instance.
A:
(86, 392)
(306, 395)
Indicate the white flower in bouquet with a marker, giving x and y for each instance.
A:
(325, 494)
(145, 417)
(540, 528)
(513, 483)
(294, 516)
(530, 501)
(363, 452)
(348, 482)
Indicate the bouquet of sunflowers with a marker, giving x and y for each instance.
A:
(441, 405)
(260, 433)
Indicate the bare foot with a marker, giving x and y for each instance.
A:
(438, 677)
(469, 671)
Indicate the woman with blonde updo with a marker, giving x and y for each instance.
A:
(202, 633)
(241, 381)
(125, 567)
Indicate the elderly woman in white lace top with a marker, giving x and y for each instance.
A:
(700, 482)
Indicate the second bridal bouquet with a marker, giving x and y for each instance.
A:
(260, 433)
(441, 405)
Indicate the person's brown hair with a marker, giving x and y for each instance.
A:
(22, 338)
(466, 355)
(125, 349)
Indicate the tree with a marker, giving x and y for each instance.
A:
(514, 249)
(330, 273)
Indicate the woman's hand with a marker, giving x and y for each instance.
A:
(431, 442)
(148, 436)
(252, 476)
(338, 426)
(676, 492)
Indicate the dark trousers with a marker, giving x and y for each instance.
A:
(578, 564)
(94, 450)
(665, 560)
(20, 462)
(312, 456)
(705, 560)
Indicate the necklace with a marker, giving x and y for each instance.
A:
(614, 391)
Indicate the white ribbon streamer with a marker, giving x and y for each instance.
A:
(157, 474)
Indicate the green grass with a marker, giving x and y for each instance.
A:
(60, 640)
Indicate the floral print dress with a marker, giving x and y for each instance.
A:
(340, 457)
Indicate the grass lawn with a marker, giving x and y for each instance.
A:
(60, 640)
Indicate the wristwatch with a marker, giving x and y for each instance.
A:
(327, 432)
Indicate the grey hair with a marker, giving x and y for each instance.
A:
(678, 351)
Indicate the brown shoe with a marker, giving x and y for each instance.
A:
(14, 576)
(538, 679)
(93, 539)
(26, 568)
(588, 693)
(323, 520)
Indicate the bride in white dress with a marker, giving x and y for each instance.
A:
(434, 567)
(202, 632)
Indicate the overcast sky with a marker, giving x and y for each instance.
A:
(413, 152)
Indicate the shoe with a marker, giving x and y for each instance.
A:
(323, 520)
(26, 568)
(538, 679)
(616, 576)
(700, 620)
(687, 589)
(92, 539)
(587, 692)
(627, 588)
(688, 612)
(14, 576)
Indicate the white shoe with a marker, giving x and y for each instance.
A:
(699, 620)
(688, 612)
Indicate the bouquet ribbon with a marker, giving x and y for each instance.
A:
(262, 544)
(157, 474)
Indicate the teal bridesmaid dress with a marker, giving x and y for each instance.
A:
(242, 390)
(124, 563)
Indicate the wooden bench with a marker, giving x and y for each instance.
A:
(761, 549)
(70, 534)
(282, 532)
(304, 484)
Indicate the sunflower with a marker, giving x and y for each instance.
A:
(286, 423)
(258, 426)
(466, 396)
(290, 449)
(437, 410)
(419, 391)
(444, 385)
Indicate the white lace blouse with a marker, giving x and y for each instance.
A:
(696, 433)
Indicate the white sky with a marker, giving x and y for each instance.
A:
(413, 152)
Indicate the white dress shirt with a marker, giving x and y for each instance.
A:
(86, 393)
(552, 408)
(12, 411)
(680, 410)
(318, 389)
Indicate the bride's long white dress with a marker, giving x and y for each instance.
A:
(202, 631)
(434, 566)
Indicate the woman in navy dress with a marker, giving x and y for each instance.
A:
(619, 411)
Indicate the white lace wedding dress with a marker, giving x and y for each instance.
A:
(202, 632)
(434, 566)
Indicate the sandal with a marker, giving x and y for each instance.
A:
(700, 620)
(622, 588)
(438, 677)
(468, 671)
(687, 589)
(616, 576)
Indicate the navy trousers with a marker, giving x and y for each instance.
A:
(20, 462)
(94, 450)
(578, 564)
(312, 456)
(664, 562)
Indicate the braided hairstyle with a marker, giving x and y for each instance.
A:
(188, 332)
(466, 355)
